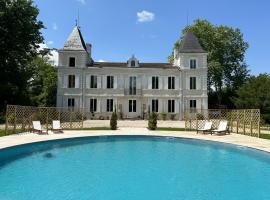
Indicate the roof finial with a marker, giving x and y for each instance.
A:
(78, 18)
(187, 18)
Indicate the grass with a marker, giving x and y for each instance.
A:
(265, 136)
(90, 129)
(2, 132)
(173, 129)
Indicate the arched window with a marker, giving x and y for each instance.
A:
(132, 64)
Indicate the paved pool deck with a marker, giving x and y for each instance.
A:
(237, 139)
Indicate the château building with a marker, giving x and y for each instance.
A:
(133, 88)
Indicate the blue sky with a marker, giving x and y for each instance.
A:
(148, 28)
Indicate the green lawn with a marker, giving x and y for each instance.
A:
(2, 132)
(90, 129)
(172, 129)
(265, 136)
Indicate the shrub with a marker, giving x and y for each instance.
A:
(200, 116)
(2, 118)
(173, 116)
(152, 121)
(113, 121)
(164, 116)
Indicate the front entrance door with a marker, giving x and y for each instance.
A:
(133, 108)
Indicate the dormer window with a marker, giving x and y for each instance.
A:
(132, 63)
(193, 63)
(71, 62)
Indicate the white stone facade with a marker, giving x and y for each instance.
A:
(132, 91)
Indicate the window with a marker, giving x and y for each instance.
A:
(132, 105)
(71, 61)
(132, 63)
(93, 105)
(109, 105)
(109, 82)
(171, 106)
(93, 81)
(154, 105)
(193, 83)
(154, 82)
(192, 63)
(171, 82)
(132, 85)
(71, 103)
(192, 104)
(71, 81)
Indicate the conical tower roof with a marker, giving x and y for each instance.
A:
(191, 44)
(75, 40)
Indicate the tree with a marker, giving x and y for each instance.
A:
(255, 94)
(19, 38)
(227, 69)
(113, 121)
(43, 83)
(152, 121)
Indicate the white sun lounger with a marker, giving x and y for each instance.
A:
(37, 128)
(56, 126)
(222, 128)
(207, 127)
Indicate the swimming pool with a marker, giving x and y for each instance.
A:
(133, 167)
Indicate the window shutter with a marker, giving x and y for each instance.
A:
(139, 82)
(99, 82)
(104, 82)
(77, 81)
(77, 103)
(160, 106)
(198, 83)
(87, 82)
(150, 82)
(160, 82)
(177, 83)
(114, 82)
(65, 81)
(166, 83)
(176, 106)
(98, 105)
(188, 83)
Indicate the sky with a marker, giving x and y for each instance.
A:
(149, 28)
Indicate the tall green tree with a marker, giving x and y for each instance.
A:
(255, 94)
(43, 83)
(19, 36)
(227, 69)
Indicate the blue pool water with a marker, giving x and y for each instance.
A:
(133, 167)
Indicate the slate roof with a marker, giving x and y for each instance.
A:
(141, 65)
(191, 44)
(75, 40)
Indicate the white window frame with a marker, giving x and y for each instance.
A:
(94, 106)
(109, 105)
(191, 86)
(155, 106)
(174, 82)
(133, 106)
(196, 60)
(172, 106)
(156, 83)
(90, 81)
(108, 85)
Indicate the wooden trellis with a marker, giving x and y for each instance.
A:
(245, 122)
(19, 118)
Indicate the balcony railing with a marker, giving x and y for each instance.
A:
(132, 92)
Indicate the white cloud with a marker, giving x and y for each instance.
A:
(50, 42)
(145, 16)
(54, 26)
(82, 1)
(101, 60)
(53, 58)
